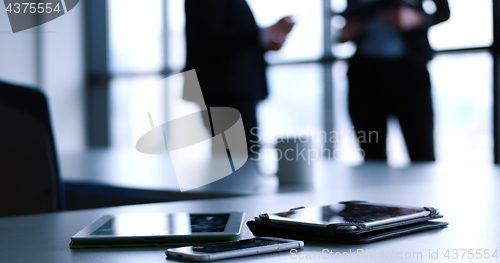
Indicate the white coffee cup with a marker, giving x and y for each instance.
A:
(294, 164)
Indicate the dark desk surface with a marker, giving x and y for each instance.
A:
(466, 194)
(103, 177)
(132, 169)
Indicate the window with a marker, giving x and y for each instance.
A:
(146, 43)
(463, 106)
(305, 41)
(470, 25)
(135, 36)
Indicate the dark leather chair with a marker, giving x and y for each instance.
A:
(29, 172)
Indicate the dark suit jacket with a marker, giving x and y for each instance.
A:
(223, 46)
(417, 41)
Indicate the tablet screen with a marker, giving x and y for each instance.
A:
(162, 224)
(343, 213)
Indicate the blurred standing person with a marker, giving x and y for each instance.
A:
(388, 74)
(226, 48)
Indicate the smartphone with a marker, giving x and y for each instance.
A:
(245, 247)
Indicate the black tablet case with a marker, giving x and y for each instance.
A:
(263, 226)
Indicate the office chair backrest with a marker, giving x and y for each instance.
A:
(29, 174)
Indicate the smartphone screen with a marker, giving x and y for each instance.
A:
(233, 249)
(229, 246)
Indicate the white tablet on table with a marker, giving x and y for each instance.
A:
(161, 228)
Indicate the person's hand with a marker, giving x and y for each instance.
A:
(405, 18)
(352, 29)
(275, 35)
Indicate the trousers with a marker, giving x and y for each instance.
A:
(248, 111)
(381, 88)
